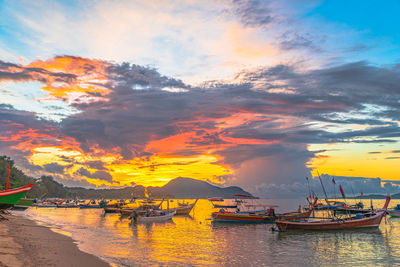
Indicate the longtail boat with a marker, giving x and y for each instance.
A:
(353, 209)
(395, 212)
(151, 213)
(10, 197)
(372, 219)
(185, 209)
(141, 209)
(153, 216)
(332, 205)
(267, 216)
(112, 208)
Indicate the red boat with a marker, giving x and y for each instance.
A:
(372, 219)
(265, 216)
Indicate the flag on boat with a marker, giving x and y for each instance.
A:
(146, 194)
(341, 191)
(333, 181)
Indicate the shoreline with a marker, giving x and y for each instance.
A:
(25, 243)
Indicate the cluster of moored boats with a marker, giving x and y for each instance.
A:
(341, 216)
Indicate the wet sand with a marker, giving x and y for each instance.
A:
(25, 243)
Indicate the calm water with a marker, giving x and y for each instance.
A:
(196, 241)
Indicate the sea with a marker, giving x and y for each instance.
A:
(197, 241)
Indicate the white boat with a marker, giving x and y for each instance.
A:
(153, 216)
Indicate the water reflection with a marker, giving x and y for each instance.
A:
(194, 240)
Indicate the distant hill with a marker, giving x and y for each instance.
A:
(46, 186)
(191, 188)
(377, 196)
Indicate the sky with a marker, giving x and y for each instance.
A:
(258, 94)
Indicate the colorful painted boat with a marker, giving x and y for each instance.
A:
(10, 197)
(359, 221)
(266, 217)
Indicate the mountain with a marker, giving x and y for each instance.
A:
(377, 196)
(47, 187)
(190, 188)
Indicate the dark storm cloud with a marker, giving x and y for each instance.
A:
(100, 175)
(55, 168)
(139, 109)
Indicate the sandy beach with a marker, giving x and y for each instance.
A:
(25, 243)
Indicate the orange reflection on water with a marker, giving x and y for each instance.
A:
(194, 240)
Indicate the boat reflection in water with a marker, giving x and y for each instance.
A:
(186, 241)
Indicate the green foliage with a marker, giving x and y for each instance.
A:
(47, 187)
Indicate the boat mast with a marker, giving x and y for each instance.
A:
(8, 178)
(326, 197)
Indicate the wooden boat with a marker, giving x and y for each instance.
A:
(185, 209)
(149, 205)
(153, 216)
(126, 211)
(23, 204)
(372, 219)
(353, 209)
(395, 212)
(268, 216)
(218, 206)
(216, 199)
(10, 197)
(112, 208)
(331, 206)
(265, 217)
(18, 207)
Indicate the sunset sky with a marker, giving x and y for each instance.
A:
(258, 94)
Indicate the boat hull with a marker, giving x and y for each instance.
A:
(151, 219)
(111, 209)
(185, 209)
(394, 213)
(352, 211)
(258, 218)
(12, 196)
(372, 221)
(242, 218)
